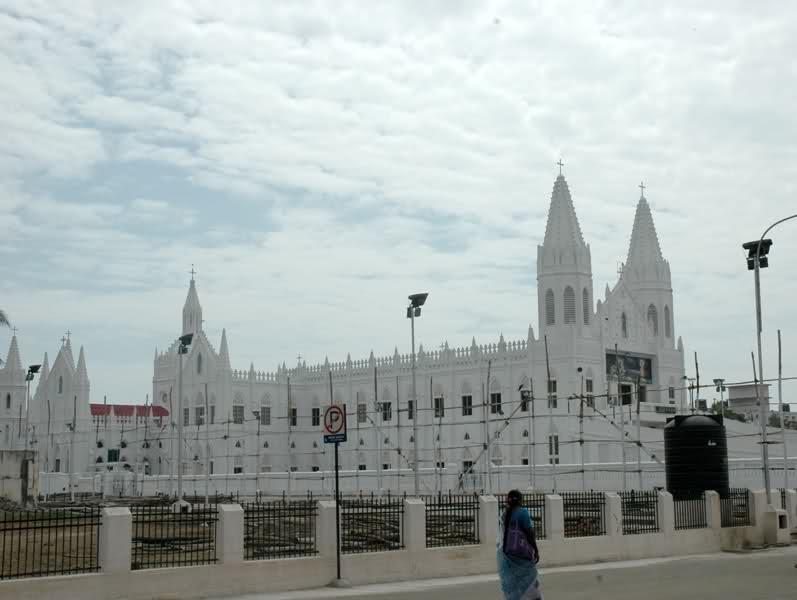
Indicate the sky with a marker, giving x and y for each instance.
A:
(319, 161)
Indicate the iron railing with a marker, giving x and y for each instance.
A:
(452, 520)
(691, 513)
(640, 511)
(280, 529)
(735, 508)
(584, 513)
(37, 543)
(371, 523)
(535, 503)
(165, 538)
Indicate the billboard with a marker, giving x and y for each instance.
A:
(631, 367)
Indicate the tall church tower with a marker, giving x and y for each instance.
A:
(564, 270)
(647, 276)
(192, 310)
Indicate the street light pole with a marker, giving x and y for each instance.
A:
(32, 370)
(185, 341)
(414, 310)
(756, 258)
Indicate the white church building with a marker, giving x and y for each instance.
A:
(258, 428)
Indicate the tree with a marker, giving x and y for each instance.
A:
(4, 319)
(716, 409)
(774, 420)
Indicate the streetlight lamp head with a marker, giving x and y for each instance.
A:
(256, 414)
(186, 338)
(33, 369)
(417, 300)
(579, 369)
(760, 249)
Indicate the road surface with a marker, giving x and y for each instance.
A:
(762, 575)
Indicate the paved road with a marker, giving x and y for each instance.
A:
(763, 575)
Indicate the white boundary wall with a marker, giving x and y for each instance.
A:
(234, 576)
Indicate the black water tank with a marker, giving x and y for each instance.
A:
(696, 455)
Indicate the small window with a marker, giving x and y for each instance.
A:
(590, 400)
(60, 384)
(524, 403)
(667, 327)
(467, 466)
(294, 468)
(671, 393)
(524, 461)
(316, 417)
(212, 414)
(315, 469)
(265, 415)
(467, 406)
(552, 400)
(653, 320)
(553, 449)
(199, 363)
(495, 403)
(199, 413)
(362, 413)
(586, 305)
(467, 436)
(569, 305)
(238, 414)
(439, 408)
(624, 325)
(642, 392)
(525, 433)
(410, 410)
(8, 401)
(362, 467)
(385, 466)
(294, 414)
(186, 416)
(387, 411)
(550, 308)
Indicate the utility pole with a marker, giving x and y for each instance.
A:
(780, 409)
(639, 434)
(377, 408)
(485, 403)
(622, 416)
(207, 448)
(553, 457)
(72, 452)
(414, 310)
(581, 430)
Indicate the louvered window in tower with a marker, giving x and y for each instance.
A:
(653, 320)
(586, 305)
(667, 328)
(570, 305)
(624, 325)
(550, 309)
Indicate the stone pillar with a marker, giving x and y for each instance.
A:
(554, 518)
(758, 506)
(230, 534)
(791, 507)
(325, 529)
(116, 540)
(713, 510)
(414, 524)
(488, 520)
(613, 514)
(666, 509)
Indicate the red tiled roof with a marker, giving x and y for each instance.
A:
(127, 410)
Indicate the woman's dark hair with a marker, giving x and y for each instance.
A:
(513, 500)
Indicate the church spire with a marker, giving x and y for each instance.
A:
(13, 360)
(564, 243)
(81, 374)
(645, 261)
(224, 353)
(192, 309)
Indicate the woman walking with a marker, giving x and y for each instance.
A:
(517, 552)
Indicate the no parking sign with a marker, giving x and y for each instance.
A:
(335, 424)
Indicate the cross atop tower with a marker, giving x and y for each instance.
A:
(14, 329)
(642, 187)
(192, 271)
(63, 340)
(561, 164)
(299, 358)
(68, 333)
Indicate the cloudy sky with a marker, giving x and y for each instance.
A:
(318, 161)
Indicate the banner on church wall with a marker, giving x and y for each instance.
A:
(632, 368)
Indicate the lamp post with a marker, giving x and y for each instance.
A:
(581, 430)
(414, 310)
(185, 342)
(32, 370)
(527, 396)
(756, 260)
(720, 386)
(256, 414)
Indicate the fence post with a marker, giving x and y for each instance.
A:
(666, 509)
(116, 540)
(230, 534)
(758, 506)
(488, 520)
(791, 507)
(325, 529)
(776, 503)
(614, 514)
(554, 517)
(414, 524)
(713, 510)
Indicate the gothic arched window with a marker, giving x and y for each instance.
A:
(667, 326)
(586, 305)
(570, 305)
(525, 433)
(624, 325)
(550, 308)
(199, 363)
(60, 384)
(653, 320)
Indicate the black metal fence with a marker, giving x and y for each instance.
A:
(691, 513)
(535, 503)
(640, 511)
(371, 523)
(584, 513)
(37, 543)
(452, 520)
(735, 508)
(280, 529)
(165, 538)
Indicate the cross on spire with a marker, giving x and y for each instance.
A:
(642, 187)
(561, 164)
(14, 329)
(192, 271)
(68, 333)
(63, 340)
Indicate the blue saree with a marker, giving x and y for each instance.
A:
(518, 577)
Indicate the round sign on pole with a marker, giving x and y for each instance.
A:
(335, 424)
